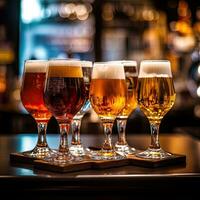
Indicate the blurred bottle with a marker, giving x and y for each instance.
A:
(6, 58)
(182, 39)
(194, 70)
(181, 42)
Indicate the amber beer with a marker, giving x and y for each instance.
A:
(156, 93)
(33, 88)
(108, 92)
(131, 74)
(64, 91)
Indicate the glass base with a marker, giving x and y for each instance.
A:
(154, 154)
(77, 150)
(60, 157)
(124, 149)
(106, 155)
(38, 152)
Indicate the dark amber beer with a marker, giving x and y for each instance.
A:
(33, 88)
(64, 91)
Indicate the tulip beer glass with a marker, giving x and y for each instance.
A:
(76, 147)
(64, 95)
(32, 90)
(131, 74)
(156, 96)
(108, 98)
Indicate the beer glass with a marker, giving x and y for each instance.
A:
(108, 97)
(64, 95)
(156, 96)
(131, 74)
(32, 90)
(76, 147)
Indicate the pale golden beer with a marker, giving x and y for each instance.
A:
(108, 96)
(156, 96)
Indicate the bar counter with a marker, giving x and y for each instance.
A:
(113, 183)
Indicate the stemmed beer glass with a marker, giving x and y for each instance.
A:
(64, 95)
(76, 147)
(108, 98)
(156, 96)
(32, 90)
(131, 74)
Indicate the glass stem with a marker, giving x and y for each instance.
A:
(107, 146)
(76, 139)
(154, 136)
(121, 125)
(42, 127)
(64, 130)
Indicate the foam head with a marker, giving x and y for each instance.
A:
(155, 68)
(65, 68)
(36, 66)
(108, 70)
(85, 63)
(128, 64)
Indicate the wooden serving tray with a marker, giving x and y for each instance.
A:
(77, 166)
(19, 157)
(88, 163)
(142, 162)
(91, 164)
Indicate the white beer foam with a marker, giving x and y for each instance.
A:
(155, 68)
(108, 70)
(62, 63)
(128, 63)
(35, 66)
(85, 63)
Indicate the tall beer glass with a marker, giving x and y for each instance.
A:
(156, 96)
(64, 96)
(131, 74)
(76, 147)
(108, 98)
(32, 90)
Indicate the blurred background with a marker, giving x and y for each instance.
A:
(99, 30)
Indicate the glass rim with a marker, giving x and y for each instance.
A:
(106, 64)
(125, 62)
(86, 63)
(35, 61)
(155, 61)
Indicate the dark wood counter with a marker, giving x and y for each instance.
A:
(113, 183)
